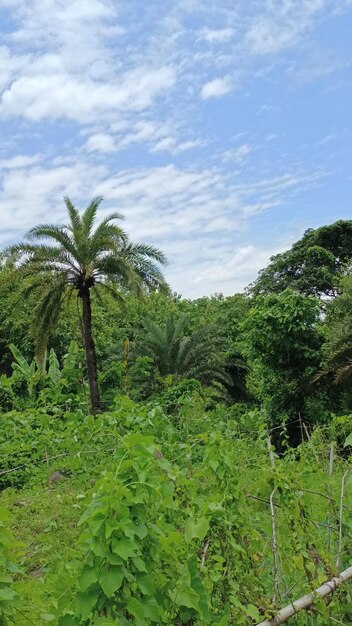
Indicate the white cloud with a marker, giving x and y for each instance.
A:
(281, 24)
(216, 88)
(100, 143)
(19, 161)
(237, 154)
(217, 36)
(59, 95)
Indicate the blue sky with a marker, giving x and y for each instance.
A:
(221, 129)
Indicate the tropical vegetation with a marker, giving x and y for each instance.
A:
(167, 460)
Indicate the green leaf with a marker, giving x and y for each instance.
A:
(67, 620)
(253, 612)
(7, 594)
(151, 609)
(348, 441)
(197, 585)
(110, 580)
(196, 529)
(139, 564)
(187, 598)
(145, 583)
(85, 603)
(135, 607)
(124, 548)
(87, 578)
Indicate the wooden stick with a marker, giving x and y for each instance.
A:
(300, 425)
(274, 547)
(311, 446)
(271, 454)
(307, 601)
(340, 520)
(306, 431)
(331, 467)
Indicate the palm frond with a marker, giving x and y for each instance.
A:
(75, 218)
(89, 216)
(51, 231)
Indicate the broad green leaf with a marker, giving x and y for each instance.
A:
(197, 585)
(135, 607)
(348, 441)
(85, 603)
(139, 564)
(196, 529)
(187, 598)
(151, 609)
(87, 577)
(124, 548)
(7, 594)
(252, 611)
(110, 580)
(145, 584)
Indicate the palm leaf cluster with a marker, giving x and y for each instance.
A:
(198, 355)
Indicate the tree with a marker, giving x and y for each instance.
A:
(77, 258)
(284, 338)
(337, 349)
(175, 352)
(314, 265)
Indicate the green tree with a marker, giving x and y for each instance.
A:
(198, 355)
(313, 265)
(337, 349)
(283, 342)
(78, 257)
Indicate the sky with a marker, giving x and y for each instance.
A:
(220, 129)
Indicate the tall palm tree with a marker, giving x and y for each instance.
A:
(199, 355)
(75, 258)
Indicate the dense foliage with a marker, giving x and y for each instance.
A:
(159, 507)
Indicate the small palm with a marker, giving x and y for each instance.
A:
(197, 355)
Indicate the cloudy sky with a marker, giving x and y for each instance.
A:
(221, 129)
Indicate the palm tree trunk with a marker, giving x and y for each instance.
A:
(90, 351)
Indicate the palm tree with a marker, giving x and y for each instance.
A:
(75, 258)
(198, 355)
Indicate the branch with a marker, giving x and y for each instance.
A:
(307, 601)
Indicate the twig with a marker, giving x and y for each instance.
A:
(317, 493)
(204, 551)
(340, 521)
(307, 601)
(249, 495)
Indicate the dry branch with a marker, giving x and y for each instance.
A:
(307, 601)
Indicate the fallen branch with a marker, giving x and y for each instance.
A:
(307, 601)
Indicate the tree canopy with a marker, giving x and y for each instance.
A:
(314, 265)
